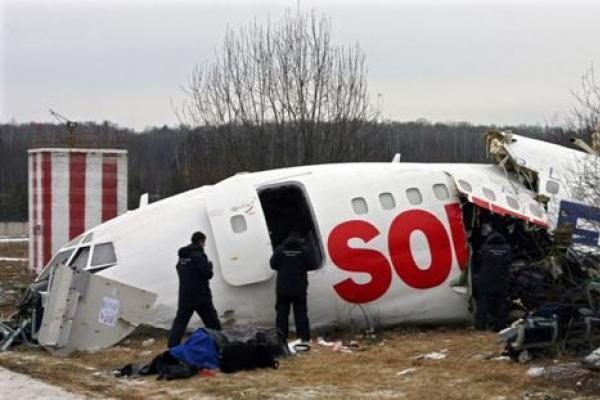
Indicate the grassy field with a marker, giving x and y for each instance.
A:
(388, 368)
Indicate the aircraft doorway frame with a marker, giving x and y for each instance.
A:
(273, 217)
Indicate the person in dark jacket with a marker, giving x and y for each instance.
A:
(194, 270)
(492, 282)
(292, 259)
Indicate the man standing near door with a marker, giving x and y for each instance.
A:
(292, 260)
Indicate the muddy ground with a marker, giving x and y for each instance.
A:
(387, 368)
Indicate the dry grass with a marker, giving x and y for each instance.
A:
(14, 275)
(370, 371)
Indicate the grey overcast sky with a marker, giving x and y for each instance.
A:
(493, 62)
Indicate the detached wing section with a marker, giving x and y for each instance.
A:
(488, 187)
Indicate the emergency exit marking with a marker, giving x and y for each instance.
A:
(375, 263)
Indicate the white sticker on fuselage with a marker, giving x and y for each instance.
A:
(109, 311)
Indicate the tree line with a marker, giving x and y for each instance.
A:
(168, 160)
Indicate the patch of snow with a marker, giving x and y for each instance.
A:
(13, 240)
(323, 342)
(14, 259)
(406, 371)
(592, 360)
(535, 372)
(435, 355)
(23, 387)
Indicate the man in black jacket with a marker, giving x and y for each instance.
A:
(292, 259)
(194, 272)
(492, 282)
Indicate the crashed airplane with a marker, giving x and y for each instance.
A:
(392, 239)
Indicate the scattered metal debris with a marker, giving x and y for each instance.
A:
(436, 355)
(407, 371)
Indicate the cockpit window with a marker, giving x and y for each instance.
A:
(88, 238)
(58, 259)
(104, 254)
(81, 258)
(74, 241)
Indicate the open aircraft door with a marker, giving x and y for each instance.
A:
(493, 190)
(240, 232)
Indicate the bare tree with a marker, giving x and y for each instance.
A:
(583, 179)
(586, 112)
(282, 84)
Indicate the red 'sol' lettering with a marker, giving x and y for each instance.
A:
(375, 264)
(368, 261)
(402, 258)
(459, 238)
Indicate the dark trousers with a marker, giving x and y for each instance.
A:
(207, 314)
(494, 304)
(300, 315)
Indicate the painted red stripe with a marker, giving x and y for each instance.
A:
(479, 202)
(34, 221)
(77, 163)
(504, 211)
(46, 207)
(109, 186)
(541, 223)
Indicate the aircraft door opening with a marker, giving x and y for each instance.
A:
(286, 209)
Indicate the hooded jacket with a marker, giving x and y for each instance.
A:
(194, 272)
(292, 259)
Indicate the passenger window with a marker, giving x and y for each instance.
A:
(238, 224)
(512, 202)
(552, 187)
(104, 254)
(81, 258)
(359, 205)
(466, 186)
(414, 196)
(536, 210)
(489, 194)
(387, 201)
(441, 191)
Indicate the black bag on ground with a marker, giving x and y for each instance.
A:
(165, 365)
(239, 356)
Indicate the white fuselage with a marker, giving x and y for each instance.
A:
(368, 269)
(390, 235)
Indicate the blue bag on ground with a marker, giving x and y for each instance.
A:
(198, 350)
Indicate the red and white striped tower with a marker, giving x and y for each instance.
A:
(71, 191)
